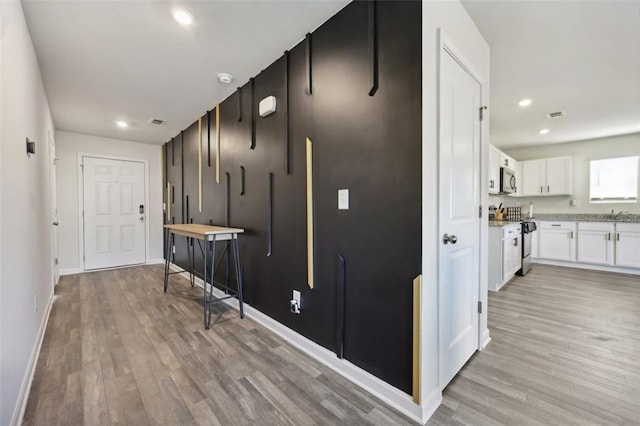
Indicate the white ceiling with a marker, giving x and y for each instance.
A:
(582, 57)
(104, 61)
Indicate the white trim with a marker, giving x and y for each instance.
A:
(23, 396)
(604, 268)
(69, 271)
(377, 387)
(485, 339)
(155, 262)
(81, 155)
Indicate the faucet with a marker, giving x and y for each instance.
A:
(615, 216)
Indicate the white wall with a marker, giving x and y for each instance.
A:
(462, 32)
(25, 262)
(582, 152)
(68, 145)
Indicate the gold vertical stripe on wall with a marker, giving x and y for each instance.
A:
(200, 164)
(417, 302)
(218, 143)
(310, 213)
(168, 202)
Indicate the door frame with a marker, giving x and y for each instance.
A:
(53, 207)
(447, 46)
(80, 158)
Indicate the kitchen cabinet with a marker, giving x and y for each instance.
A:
(557, 241)
(627, 241)
(511, 251)
(550, 176)
(506, 161)
(494, 170)
(596, 243)
(535, 251)
(505, 257)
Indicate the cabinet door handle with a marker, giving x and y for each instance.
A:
(608, 236)
(547, 188)
(617, 236)
(515, 242)
(571, 235)
(556, 224)
(491, 184)
(541, 190)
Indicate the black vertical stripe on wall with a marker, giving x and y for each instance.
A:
(287, 168)
(308, 64)
(253, 118)
(269, 214)
(239, 95)
(173, 194)
(173, 156)
(242, 180)
(372, 7)
(340, 294)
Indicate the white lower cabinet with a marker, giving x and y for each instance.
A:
(596, 243)
(557, 241)
(505, 255)
(627, 241)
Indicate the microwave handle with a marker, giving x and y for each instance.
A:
(512, 182)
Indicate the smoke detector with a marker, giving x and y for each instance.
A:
(225, 78)
(557, 114)
(156, 121)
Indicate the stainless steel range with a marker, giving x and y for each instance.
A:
(528, 228)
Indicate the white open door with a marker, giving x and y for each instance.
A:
(114, 212)
(459, 222)
(54, 209)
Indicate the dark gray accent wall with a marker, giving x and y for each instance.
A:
(370, 145)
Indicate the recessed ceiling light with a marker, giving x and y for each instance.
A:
(183, 16)
(525, 103)
(225, 78)
(122, 124)
(544, 131)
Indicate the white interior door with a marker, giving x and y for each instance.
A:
(54, 209)
(459, 201)
(114, 213)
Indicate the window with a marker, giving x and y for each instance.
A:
(614, 180)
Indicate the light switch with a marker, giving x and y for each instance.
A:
(343, 199)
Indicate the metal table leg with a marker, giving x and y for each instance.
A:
(239, 278)
(169, 257)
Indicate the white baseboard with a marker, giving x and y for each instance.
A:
(604, 268)
(23, 396)
(486, 338)
(155, 261)
(69, 271)
(381, 389)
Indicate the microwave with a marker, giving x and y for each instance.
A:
(507, 181)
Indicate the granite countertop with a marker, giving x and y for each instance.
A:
(631, 218)
(502, 223)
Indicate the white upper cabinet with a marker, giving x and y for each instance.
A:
(506, 161)
(494, 170)
(550, 176)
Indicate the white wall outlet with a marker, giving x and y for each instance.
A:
(35, 304)
(574, 203)
(294, 303)
(343, 199)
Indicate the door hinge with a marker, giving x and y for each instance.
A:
(479, 307)
(482, 108)
(480, 211)
(55, 261)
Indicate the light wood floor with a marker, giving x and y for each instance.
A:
(119, 351)
(565, 350)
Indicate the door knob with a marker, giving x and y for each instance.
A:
(55, 223)
(141, 218)
(446, 238)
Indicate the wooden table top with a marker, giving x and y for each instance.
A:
(195, 230)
